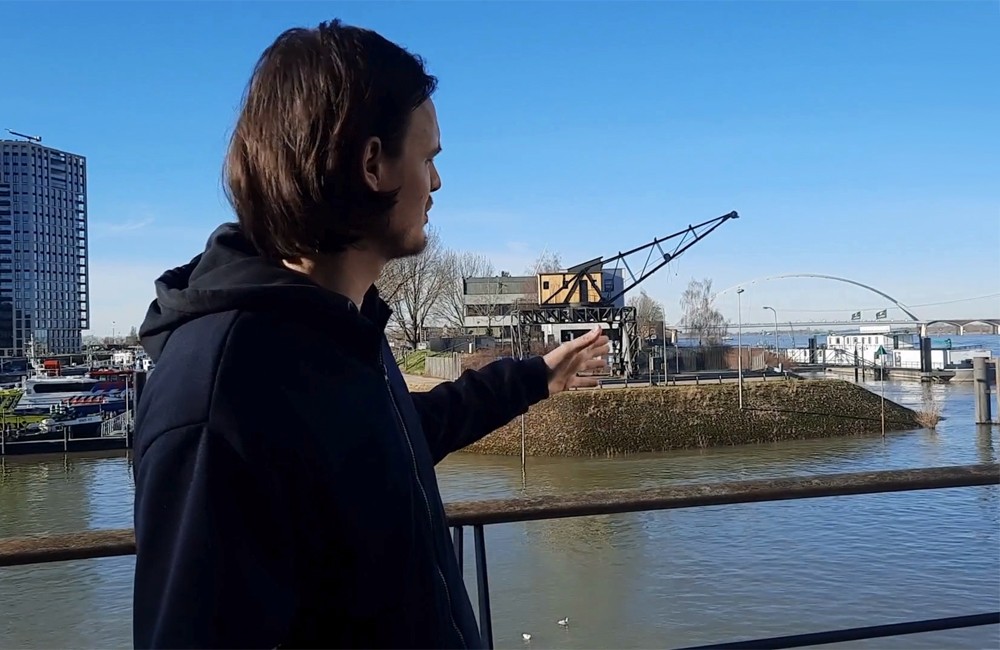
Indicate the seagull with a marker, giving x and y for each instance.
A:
(526, 636)
(564, 621)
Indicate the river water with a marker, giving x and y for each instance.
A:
(639, 580)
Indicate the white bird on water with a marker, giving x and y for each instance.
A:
(526, 636)
(563, 621)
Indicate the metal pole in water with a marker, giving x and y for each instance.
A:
(665, 353)
(981, 384)
(522, 444)
(739, 342)
(883, 396)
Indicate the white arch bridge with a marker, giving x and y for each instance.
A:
(958, 323)
(911, 319)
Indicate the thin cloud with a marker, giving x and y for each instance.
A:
(129, 226)
(122, 227)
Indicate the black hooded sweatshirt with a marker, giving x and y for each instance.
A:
(285, 485)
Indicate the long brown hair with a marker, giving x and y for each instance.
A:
(294, 167)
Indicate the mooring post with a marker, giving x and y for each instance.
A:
(996, 367)
(981, 386)
(925, 354)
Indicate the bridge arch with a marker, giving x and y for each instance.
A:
(962, 323)
(955, 324)
(835, 278)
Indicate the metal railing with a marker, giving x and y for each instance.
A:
(478, 514)
(118, 425)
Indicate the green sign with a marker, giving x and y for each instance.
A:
(880, 352)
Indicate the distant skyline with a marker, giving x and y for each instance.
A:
(855, 139)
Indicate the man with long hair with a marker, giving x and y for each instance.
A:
(285, 485)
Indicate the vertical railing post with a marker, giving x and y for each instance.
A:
(483, 587)
(458, 536)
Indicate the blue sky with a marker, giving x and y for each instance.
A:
(855, 139)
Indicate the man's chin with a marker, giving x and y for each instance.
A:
(411, 248)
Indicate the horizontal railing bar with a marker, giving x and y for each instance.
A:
(858, 633)
(59, 441)
(84, 545)
(110, 543)
(602, 502)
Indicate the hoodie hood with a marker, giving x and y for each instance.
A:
(231, 275)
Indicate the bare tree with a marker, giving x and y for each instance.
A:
(390, 284)
(547, 262)
(701, 319)
(414, 287)
(457, 267)
(391, 280)
(528, 287)
(648, 314)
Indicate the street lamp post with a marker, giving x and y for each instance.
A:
(739, 343)
(776, 353)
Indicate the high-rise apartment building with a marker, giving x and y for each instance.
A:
(44, 277)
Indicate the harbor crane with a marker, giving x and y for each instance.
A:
(579, 295)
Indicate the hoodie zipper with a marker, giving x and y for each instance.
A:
(423, 493)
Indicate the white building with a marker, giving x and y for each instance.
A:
(902, 348)
(123, 358)
(132, 358)
(866, 342)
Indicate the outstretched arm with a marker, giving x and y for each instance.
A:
(456, 414)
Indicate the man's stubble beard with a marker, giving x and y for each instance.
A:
(398, 245)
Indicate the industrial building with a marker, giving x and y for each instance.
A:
(492, 302)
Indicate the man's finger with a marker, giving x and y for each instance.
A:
(583, 382)
(602, 340)
(589, 338)
(599, 351)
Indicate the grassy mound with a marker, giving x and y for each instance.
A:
(631, 420)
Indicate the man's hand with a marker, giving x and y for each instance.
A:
(582, 354)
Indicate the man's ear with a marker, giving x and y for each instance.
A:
(371, 162)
